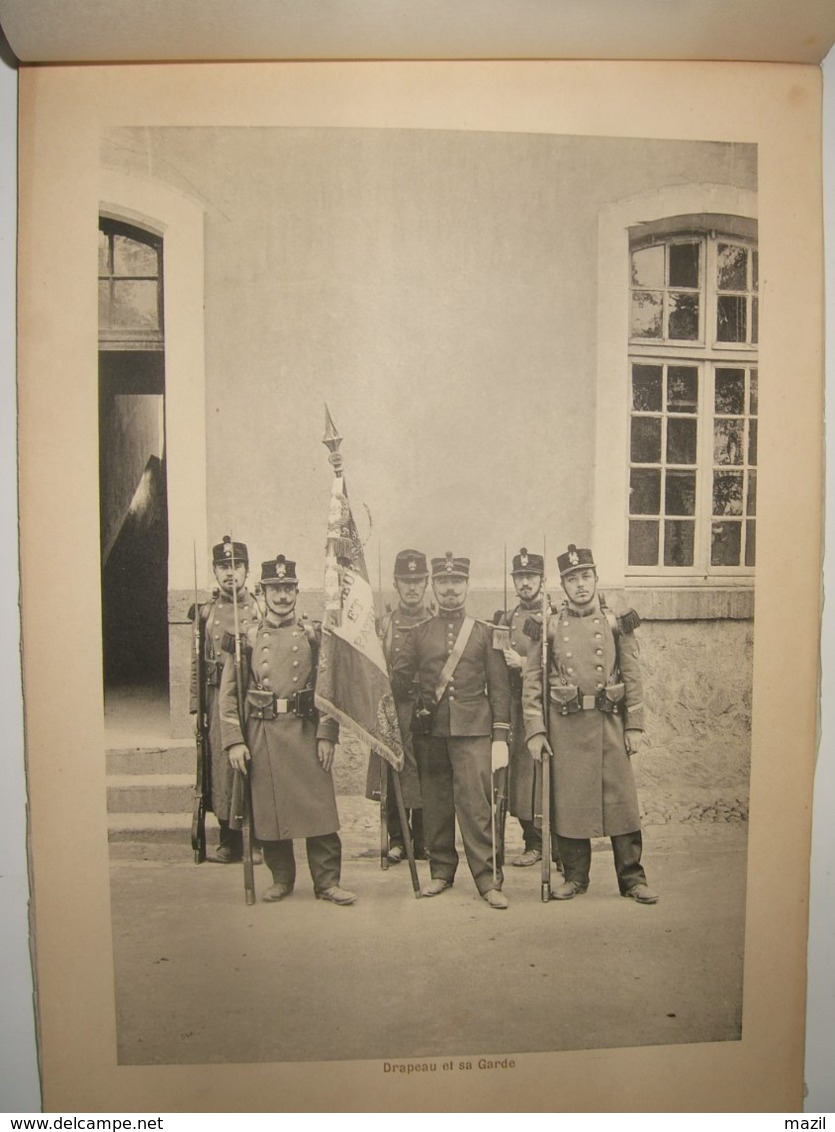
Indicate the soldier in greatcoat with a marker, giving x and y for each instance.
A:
(462, 718)
(230, 564)
(286, 752)
(411, 578)
(596, 723)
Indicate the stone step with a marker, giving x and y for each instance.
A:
(150, 793)
(173, 758)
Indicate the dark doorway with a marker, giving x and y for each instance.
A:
(133, 505)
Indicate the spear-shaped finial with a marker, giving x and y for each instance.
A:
(331, 439)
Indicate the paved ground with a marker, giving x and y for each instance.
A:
(201, 977)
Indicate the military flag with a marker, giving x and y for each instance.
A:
(353, 683)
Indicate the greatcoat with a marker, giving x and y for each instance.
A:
(217, 619)
(593, 786)
(292, 796)
(522, 766)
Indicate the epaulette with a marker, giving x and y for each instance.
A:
(500, 617)
(191, 610)
(628, 622)
(532, 629)
(227, 641)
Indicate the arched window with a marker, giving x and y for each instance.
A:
(693, 332)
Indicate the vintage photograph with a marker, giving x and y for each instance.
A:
(375, 405)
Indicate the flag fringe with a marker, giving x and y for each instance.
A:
(354, 728)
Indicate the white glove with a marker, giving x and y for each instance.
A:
(499, 755)
(512, 658)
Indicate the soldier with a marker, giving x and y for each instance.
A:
(286, 753)
(596, 722)
(461, 726)
(230, 563)
(411, 578)
(527, 573)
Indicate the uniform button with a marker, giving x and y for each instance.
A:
(265, 648)
(599, 652)
(598, 636)
(295, 664)
(569, 654)
(452, 697)
(265, 682)
(569, 669)
(396, 648)
(597, 620)
(599, 667)
(295, 648)
(295, 634)
(599, 685)
(295, 679)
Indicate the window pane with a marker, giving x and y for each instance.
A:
(645, 491)
(680, 493)
(727, 493)
(646, 440)
(646, 388)
(730, 318)
(732, 268)
(647, 310)
(751, 504)
(643, 543)
(755, 271)
(104, 303)
(725, 544)
(752, 442)
(730, 391)
(681, 441)
(684, 317)
(684, 265)
(727, 441)
(132, 258)
(682, 389)
(135, 304)
(753, 393)
(678, 543)
(104, 254)
(755, 319)
(648, 267)
(750, 543)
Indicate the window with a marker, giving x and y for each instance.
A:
(130, 288)
(693, 331)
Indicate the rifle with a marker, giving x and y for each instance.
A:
(384, 771)
(546, 754)
(499, 807)
(201, 783)
(246, 788)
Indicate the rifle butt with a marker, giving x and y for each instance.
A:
(546, 828)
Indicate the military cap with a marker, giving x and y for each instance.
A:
(410, 564)
(525, 563)
(574, 559)
(227, 550)
(277, 570)
(450, 567)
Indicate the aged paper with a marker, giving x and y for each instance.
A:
(105, 31)
(66, 114)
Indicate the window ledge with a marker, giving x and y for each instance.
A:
(690, 603)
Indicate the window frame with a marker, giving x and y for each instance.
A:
(674, 211)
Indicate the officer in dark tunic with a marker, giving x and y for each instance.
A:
(411, 577)
(287, 753)
(230, 563)
(462, 719)
(596, 723)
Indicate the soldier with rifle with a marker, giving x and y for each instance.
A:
(594, 724)
(460, 728)
(411, 577)
(213, 620)
(522, 623)
(280, 747)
